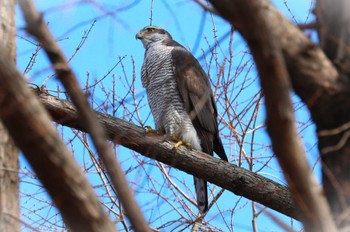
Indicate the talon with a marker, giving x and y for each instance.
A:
(180, 142)
(149, 130)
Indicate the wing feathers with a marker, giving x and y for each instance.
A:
(196, 93)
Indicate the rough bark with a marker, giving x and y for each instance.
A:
(253, 22)
(39, 29)
(9, 197)
(228, 176)
(323, 85)
(30, 126)
(274, 78)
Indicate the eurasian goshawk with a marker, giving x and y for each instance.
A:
(180, 97)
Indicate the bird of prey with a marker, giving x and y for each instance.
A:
(180, 98)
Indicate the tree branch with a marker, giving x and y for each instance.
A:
(226, 175)
(333, 25)
(29, 125)
(38, 28)
(313, 76)
(275, 83)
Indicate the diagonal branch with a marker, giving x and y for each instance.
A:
(313, 76)
(280, 119)
(279, 49)
(333, 26)
(30, 127)
(228, 176)
(37, 27)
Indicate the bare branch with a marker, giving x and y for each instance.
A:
(206, 7)
(28, 123)
(313, 76)
(37, 27)
(267, 51)
(223, 174)
(333, 25)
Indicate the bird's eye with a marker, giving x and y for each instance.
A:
(150, 29)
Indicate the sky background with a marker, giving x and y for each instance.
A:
(104, 32)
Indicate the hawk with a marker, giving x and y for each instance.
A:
(180, 98)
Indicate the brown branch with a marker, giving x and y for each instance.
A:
(37, 27)
(29, 125)
(316, 80)
(223, 174)
(333, 26)
(307, 26)
(313, 76)
(275, 83)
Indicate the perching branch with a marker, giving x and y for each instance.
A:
(223, 174)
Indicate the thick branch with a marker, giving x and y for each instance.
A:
(38, 28)
(333, 24)
(324, 89)
(275, 83)
(223, 174)
(313, 76)
(29, 125)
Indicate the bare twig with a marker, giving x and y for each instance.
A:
(206, 7)
(277, 220)
(37, 27)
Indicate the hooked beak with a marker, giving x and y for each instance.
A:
(138, 35)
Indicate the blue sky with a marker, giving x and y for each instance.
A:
(111, 39)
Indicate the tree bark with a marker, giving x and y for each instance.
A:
(267, 52)
(322, 84)
(333, 25)
(39, 29)
(9, 196)
(30, 126)
(228, 176)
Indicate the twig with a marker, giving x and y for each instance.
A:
(206, 7)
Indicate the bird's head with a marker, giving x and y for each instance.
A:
(151, 34)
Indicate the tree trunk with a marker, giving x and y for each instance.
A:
(9, 210)
(333, 25)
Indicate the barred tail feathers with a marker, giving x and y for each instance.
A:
(202, 194)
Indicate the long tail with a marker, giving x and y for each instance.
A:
(202, 194)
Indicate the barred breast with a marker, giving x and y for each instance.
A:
(167, 108)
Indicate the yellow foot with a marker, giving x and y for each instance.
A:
(150, 130)
(180, 142)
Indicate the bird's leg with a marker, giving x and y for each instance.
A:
(179, 142)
